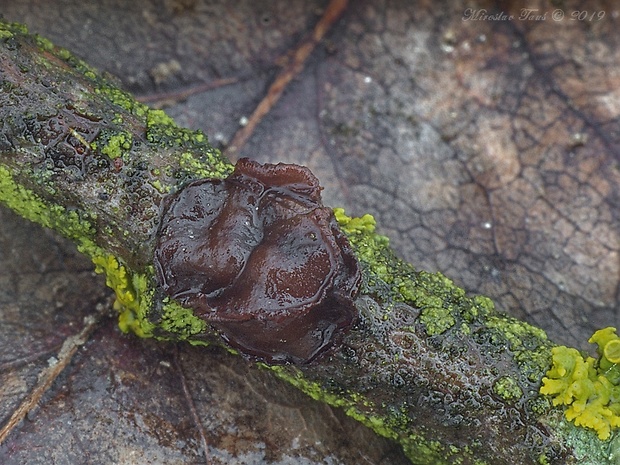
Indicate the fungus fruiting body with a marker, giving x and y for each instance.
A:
(261, 259)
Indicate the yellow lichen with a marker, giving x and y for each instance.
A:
(117, 145)
(589, 387)
(130, 294)
(363, 224)
(368, 245)
(116, 278)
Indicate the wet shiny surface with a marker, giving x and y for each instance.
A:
(260, 257)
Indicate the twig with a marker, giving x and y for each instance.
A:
(49, 375)
(332, 13)
(21, 361)
(159, 97)
(440, 372)
(192, 406)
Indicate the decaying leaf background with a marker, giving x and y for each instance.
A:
(486, 148)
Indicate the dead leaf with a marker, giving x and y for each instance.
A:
(122, 399)
(486, 148)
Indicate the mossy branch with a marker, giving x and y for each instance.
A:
(440, 372)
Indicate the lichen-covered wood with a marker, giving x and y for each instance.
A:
(438, 371)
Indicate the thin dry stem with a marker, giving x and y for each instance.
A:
(49, 375)
(299, 57)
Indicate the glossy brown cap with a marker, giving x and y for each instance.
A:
(260, 258)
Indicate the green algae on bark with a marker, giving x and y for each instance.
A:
(438, 371)
(94, 164)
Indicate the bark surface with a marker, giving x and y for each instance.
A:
(440, 372)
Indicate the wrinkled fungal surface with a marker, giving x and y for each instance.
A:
(261, 259)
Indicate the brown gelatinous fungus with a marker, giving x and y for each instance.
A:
(260, 258)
